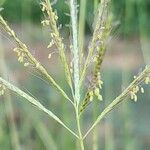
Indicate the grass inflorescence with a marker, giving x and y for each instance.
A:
(76, 73)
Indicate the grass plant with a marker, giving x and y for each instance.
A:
(76, 74)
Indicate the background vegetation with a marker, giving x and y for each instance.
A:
(131, 14)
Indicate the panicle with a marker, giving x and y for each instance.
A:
(134, 90)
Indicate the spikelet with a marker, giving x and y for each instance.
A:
(93, 91)
(136, 88)
(45, 22)
(26, 64)
(51, 44)
(89, 98)
(147, 80)
(49, 56)
(142, 90)
(133, 96)
(2, 89)
(22, 56)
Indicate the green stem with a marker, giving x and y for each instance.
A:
(75, 50)
(79, 129)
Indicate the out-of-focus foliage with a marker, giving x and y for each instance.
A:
(132, 14)
(21, 10)
(29, 10)
(1, 2)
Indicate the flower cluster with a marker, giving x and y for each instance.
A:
(22, 56)
(136, 89)
(99, 45)
(46, 8)
(89, 98)
(2, 89)
(45, 22)
(51, 44)
(97, 93)
(94, 90)
(51, 22)
(133, 93)
(97, 85)
(147, 80)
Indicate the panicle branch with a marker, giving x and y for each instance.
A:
(51, 21)
(96, 82)
(25, 57)
(131, 91)
(101, 19)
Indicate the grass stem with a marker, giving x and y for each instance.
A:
(75, 50)
(79, 129)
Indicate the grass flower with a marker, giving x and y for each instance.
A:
(97, 48)
(51, 22)
(2, 89)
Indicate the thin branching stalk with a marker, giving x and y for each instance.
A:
(121, 97)
(34, 102)
(30, 60)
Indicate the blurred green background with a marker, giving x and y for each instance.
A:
(132, 14)
(24, 127)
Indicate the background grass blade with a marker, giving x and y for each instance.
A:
(35, 103)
